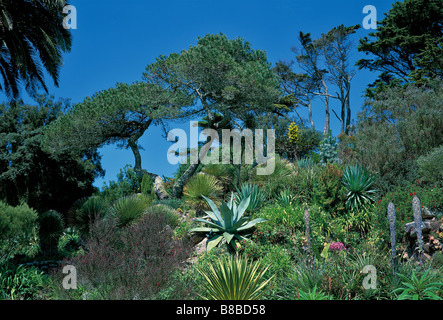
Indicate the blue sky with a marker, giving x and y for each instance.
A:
(115, 41)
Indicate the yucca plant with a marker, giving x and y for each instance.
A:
(222, 172)
(85, 211)
(130, 208)
(51, 227)
(234, 279)
(228, 223)
(423, 288)
(286, 198)
(257, 197)
(358, 182)
(198, 188)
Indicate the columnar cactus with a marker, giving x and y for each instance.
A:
(392, 223)
(416, 207)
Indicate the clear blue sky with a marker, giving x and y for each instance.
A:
(115, 41)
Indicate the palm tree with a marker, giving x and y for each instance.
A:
(32, 41)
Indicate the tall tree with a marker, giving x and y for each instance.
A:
(225, 77)
(407, 46)
(28, 173)
(121, 115)
(337, 48)
(32, 41)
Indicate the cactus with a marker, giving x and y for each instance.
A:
(416, 207)
(392, 224)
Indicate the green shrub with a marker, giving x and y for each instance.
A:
(224, 173)
(127, 184)
(200, 186)
(130, 208)
(431, 196)
(19, 282)
(70, 242)
(430, 165)
(147, 185)
(51, 227)
(85, 211)
(17, 225)
(172, 217)
(283, 175)
(328, 191)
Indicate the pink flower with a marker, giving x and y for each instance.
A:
(337, 246)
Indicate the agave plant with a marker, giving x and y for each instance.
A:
(358, 182)
(198, 188)
(234, 279)
(257, 197)
(228, 223)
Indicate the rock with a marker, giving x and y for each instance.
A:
(427, 214)
(200, 248)
(427, 247)
(410, 228)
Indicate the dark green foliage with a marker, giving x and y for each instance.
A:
(28, 173)
(33, 41)
(407, 46)
(147, 185)
(397, 127)
(328, 191)
(170, 215)
(51, 226)
(85, 211)
(20, 282)
(130, 208)
(16, 227)
(127, 183)
(429, 165)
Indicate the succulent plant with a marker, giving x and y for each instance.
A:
(228, 223)
(358, 182)
(257, 197)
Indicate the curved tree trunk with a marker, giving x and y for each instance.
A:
(159, 187)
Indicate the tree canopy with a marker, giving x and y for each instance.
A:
(407, 46)
(33, 40)
(29, 173)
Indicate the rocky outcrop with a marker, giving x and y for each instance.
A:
(430, 226)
